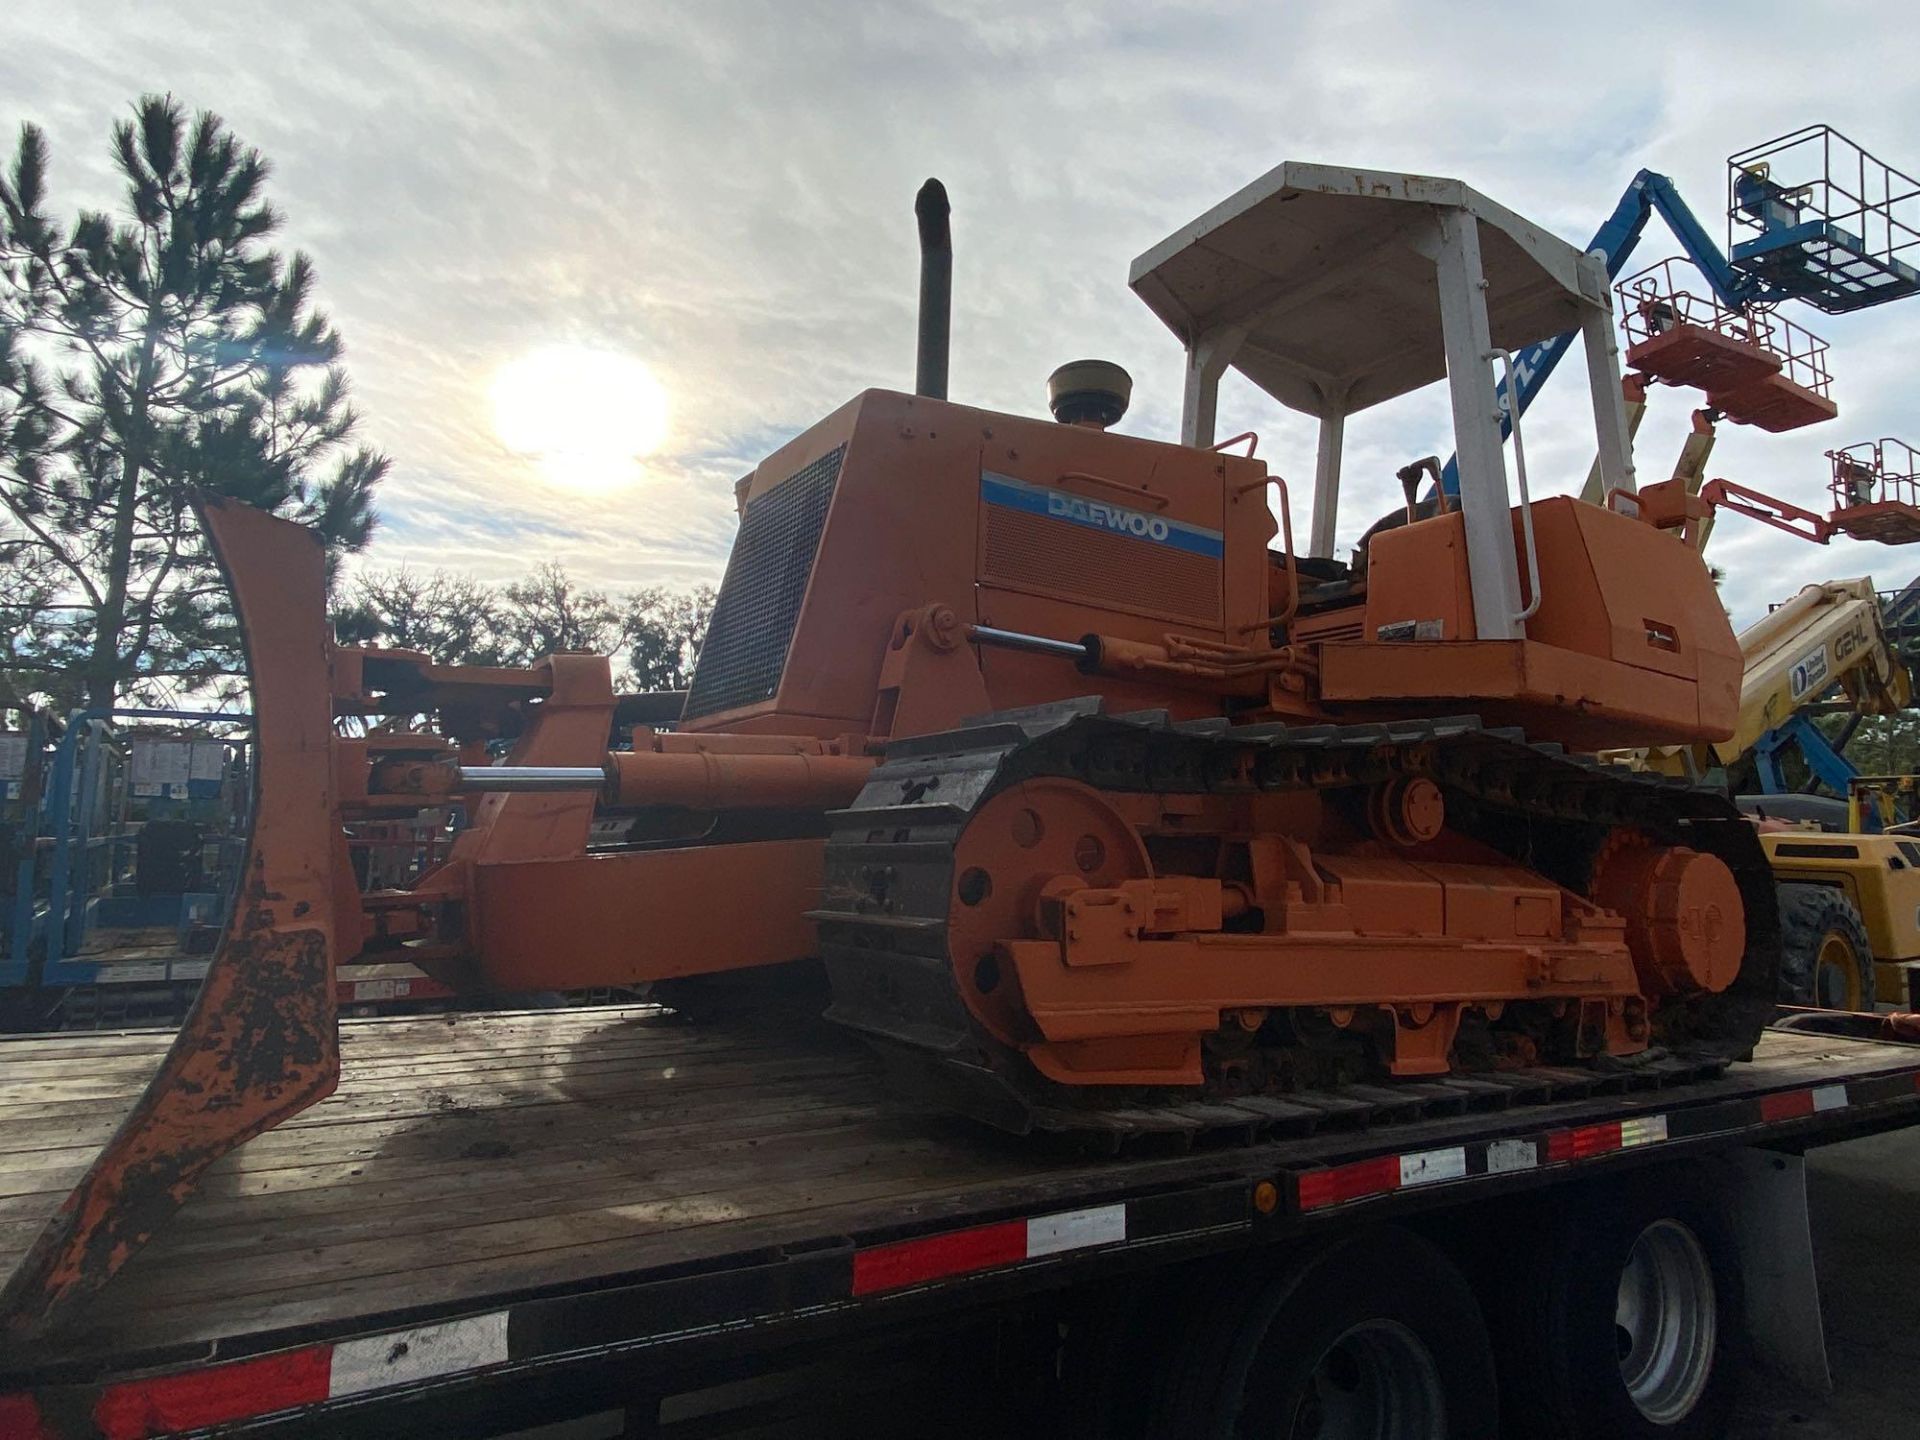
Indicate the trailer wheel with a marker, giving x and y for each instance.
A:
(1373, 1338)
(1825, 956)
(1623, 1320)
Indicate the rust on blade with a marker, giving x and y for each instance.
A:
(262, 1041)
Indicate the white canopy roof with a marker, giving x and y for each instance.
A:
(1330, 271)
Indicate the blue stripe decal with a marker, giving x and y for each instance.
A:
(1011, 494)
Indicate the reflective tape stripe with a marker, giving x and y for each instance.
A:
(1583, 1141)
(959, 1252)
(211, 1395)
(1787, 1105)
(1339, 1183)
(214, 1394)
(1829, 1097)
(1075, 1230)
(419, 1354)
(1643, 1130)
(1426, 1166)
(1505, 1155)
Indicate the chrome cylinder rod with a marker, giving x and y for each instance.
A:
(523, 778)
(1037, 644)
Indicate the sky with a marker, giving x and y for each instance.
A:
(722, 191)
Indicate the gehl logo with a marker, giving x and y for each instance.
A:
(1107, 517)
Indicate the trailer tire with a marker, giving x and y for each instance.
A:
(1623, 1319)
(1378, 1334)
(1825, 956)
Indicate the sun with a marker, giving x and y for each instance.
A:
(587, 417)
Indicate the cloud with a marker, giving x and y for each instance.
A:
(723, 189)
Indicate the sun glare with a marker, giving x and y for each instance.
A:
(587, 417)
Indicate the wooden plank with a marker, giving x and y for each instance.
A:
(22, 1121)
(399, 1155)
(712, 1185)
(370, 1035)
(442, 1054)
(449, 1130)
(584, 1080)
(462, 1162)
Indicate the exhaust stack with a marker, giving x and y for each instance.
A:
(930, 207)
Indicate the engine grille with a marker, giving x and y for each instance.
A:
(759, 602)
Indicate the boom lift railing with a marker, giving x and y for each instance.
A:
(1756, 367)
(1876, 491)
(1811, 216)
(1826, 222)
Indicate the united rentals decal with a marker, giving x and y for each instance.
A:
(1115, 519)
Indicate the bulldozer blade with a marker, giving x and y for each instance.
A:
(262, 1040)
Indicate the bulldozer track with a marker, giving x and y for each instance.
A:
(889, 886)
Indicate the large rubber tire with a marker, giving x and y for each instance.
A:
(1377, 1337)
(1825, 956)
(1571, 1342)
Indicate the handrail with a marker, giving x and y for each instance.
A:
(1526, 499)
(1291, 567)
(1139, 492)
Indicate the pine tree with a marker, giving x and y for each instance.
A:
(142, 357)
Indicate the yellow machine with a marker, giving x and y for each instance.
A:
(1849, 902)
(1849, 917)
(1829, 634)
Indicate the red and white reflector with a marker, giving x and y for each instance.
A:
(1791, 1104)
(240, 1389)
(1338, 1184)
(983, 1247)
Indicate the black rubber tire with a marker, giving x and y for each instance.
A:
(1552, 1309)
(1809, 916)
(1253, 1341)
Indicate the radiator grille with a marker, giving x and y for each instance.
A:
(759, 602)
(1059, 557)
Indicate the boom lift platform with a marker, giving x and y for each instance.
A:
(1756, 367)
(1876, 491)
(1827, 223)
(1804, 251)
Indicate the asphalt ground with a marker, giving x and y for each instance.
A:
(1864, 1198)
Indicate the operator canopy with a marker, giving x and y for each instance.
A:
(1331, 273)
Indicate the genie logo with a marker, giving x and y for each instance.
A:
(1107, 517)
(1005, 492)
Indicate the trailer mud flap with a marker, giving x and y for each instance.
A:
(1765, 1193)
(262, 1040)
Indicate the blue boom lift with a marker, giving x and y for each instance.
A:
(1839, 238)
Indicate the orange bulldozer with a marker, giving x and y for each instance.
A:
(1099, 812)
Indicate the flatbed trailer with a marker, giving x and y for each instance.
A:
(506, 1219)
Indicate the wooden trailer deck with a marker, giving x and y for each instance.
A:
(471, 1159)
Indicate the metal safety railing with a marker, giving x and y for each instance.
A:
(1816, 173)
(1883, 471)
(1656, 300)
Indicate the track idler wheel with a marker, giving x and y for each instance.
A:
(1686, 924)
(1025, 846)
